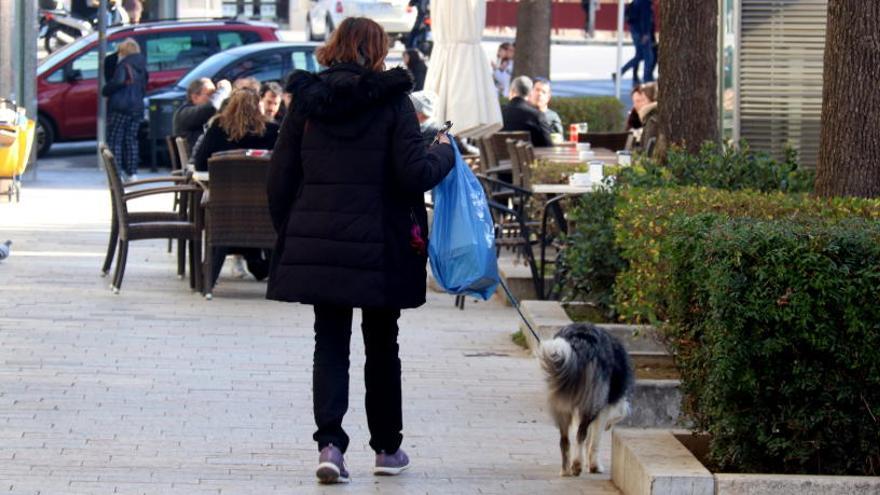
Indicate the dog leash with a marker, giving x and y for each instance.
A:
(515, 304)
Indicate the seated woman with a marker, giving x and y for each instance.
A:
(240, 125)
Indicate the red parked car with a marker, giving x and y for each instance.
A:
(67, 84)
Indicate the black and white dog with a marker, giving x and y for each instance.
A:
(590, 377)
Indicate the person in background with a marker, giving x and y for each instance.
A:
(423, 102)
(539, 97)
(519, 115)
(412, 59)
(421, 6)
(203, 102)
(271, 96)
(240, 125)
(247, 83)
(640, 19)
(639, 101)
(588, 6)
(346, 195)
(502, 68)
(125, 106)
(135, 9)
(649, 117)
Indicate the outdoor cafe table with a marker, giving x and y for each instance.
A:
(559, 154)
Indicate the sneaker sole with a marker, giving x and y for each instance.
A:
(329, 474)
(389, 471)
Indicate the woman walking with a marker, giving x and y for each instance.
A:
(125, 106)
(346, 195)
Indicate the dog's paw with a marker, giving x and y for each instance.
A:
(565, 473)
(576, 468)
(597, 468)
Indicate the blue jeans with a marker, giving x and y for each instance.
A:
(633, 62)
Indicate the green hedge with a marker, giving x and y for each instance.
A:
(590, 260)
(602, 113)
(775, 327)
(642, 218)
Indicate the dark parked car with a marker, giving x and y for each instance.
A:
(270, 61)
(67, 84)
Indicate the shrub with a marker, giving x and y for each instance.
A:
(592, 239)
(721, 167)
(642, 219)
(589, 261)
(776, 331)
(602, 113)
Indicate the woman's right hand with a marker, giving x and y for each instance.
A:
(443, 138)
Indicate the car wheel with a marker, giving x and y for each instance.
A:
(310, 31)
(51, 41)
(45, 136)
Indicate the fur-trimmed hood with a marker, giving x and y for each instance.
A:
(345, 90)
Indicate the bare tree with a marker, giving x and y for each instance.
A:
(849, 147)
(533, 22)
(688, 83)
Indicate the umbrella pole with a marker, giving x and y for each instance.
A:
(620, 8)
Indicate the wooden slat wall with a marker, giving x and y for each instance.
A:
(782, 43)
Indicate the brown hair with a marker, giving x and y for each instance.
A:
(242, 116)
(357, 40)
(649, 90)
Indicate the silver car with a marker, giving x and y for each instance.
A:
(395, 16)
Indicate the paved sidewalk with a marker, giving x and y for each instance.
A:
(156, 390)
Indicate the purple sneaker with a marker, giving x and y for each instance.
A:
(391, 464)
(331, 466)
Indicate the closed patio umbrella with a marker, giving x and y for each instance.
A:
(459, 72)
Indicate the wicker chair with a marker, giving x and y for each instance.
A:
(498, 142)
(134, 226)
(237, 209)
(182, 151)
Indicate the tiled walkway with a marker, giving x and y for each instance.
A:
(156, 390)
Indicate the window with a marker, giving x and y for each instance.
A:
(232, 39)
(176, 51)
(304, 60)
(87, 63)
(265, 67)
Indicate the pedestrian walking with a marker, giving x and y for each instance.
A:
(640, 19)
(346, 194)
(125, 106)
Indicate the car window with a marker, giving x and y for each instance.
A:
(264, 67)
(87, 63)
(179, 50)
(304, 60)
(232, 39)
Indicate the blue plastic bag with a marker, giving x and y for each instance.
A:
(461, 245)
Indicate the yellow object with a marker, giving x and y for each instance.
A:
(14, 156)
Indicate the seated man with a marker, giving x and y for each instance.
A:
(519, 115)
(203, 101)
(540, 99)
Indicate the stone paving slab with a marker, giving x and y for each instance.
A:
(156, 390)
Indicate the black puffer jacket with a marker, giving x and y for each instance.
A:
(127, 88)
(345, 188)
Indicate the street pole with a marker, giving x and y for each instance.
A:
(620, 9)
(7, 42)
(102, 53)
(26, 67)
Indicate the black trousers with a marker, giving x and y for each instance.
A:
(381, 373)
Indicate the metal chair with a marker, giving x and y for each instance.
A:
(133, 226)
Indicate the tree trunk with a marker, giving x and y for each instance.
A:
(849, 147)
(688, 80)
(533, 22)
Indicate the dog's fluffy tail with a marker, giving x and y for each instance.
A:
(558, 361)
